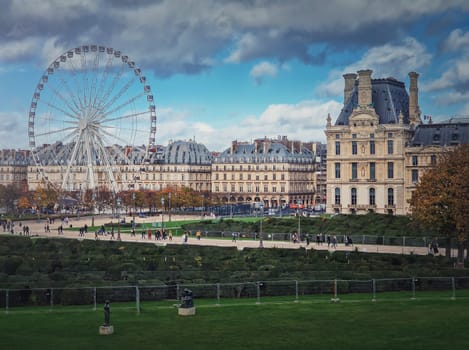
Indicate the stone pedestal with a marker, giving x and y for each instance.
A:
(106, 330)
(186, 311)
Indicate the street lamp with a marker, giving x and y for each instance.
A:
(135, 208)
(119, 203)
(231, 206)
(169, 207)
(299, 219)
(93, 199)
(38, 208)
(261, 244)
(162, 212)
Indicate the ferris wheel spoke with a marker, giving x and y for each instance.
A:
(59, 109)
(118, 95)
(53, 132)
(123, 117)
(110, 88)
(65, 101)
(101, 92)
(113, 138)
(123, 105)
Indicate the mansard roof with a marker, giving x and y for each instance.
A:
(389, 99)
(187, 152)
(448, 133)
(265, 151)
(15, 157)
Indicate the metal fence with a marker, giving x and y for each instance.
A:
(404, 241)
(234, 293)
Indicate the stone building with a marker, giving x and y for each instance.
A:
(274, 172)
(14, 167)
(428, 143)
(180, 163)
(366, 145)
(378, 147)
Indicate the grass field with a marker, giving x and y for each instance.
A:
(392, 324)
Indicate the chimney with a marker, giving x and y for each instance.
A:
(349, 85)
(233, 146)
(414, 109)
(364, 87)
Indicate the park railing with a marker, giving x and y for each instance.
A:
(142, 296)
(404, 241)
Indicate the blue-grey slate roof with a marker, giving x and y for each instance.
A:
(450, 133)
(389, 99)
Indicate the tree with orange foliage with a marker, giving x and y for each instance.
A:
(441, 199)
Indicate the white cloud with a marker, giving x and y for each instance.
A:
(13, 133)
(262, 70)
(304, 121)
(457, 76)
(391, 59)
(457, 40)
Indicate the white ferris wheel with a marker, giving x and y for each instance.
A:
(92, 120)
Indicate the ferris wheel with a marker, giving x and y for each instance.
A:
(92, 120)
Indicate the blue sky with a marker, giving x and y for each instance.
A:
(239, 70)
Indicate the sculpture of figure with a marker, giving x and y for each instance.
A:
(187, 299)
(107, 313)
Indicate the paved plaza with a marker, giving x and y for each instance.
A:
(37, 230)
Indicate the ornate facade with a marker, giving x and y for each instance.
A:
(274, 172)
(378, 147)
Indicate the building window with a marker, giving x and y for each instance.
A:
(266, 188)
(353, 193)
(372, 196)
(433, 159)
(390, 146)
(337, 148)
(390, 135)
(337, 196)
(372, 147)
(390, 196)
(337, 170)
(372, 170)
(415, 161)
(337, 136)
(265, 177)
(390, 170)
(249, 176)
(257, 188)
(240, 176)
(354, 171)
(249, 188)
(354, 147)
(282, 188)
(282, 177)
(274, 189)
(415, 176)
(241, 188)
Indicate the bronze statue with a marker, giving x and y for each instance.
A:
(107, 313)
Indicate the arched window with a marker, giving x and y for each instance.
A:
(390, 196)
(372, 196)
(337, 196)
(353, 193)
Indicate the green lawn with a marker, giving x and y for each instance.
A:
(399, 324)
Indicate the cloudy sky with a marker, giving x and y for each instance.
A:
(226, 70)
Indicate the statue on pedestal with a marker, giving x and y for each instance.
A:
(187, 299)
(107, 313)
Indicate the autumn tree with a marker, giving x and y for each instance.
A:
(440, 200)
